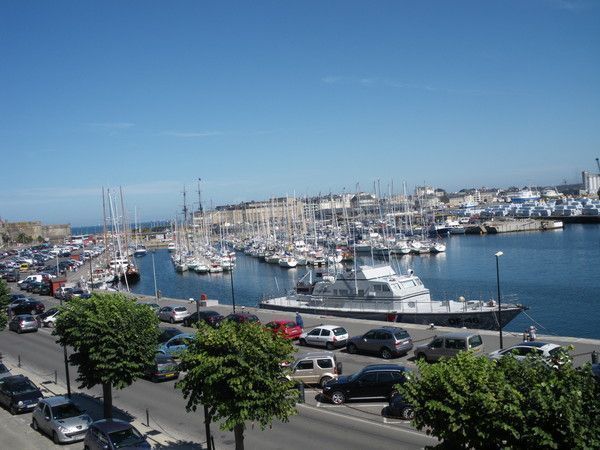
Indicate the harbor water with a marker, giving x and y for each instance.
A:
(555, 273)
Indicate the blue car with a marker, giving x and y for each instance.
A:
(177, 344)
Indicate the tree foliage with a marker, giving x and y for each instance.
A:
(236, 371)
(114, 340)
(474, 402)
(4, 301)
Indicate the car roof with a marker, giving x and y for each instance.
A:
(329, 327)
(311, 355)
(182, 335)
(55, 401)
(282, 321)
(458, 334)
(111, 425)
(536, 344)
(377, 367)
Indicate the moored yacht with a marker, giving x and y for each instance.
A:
(379, 293)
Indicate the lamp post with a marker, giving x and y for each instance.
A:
(498, 255)
(231, 274)
(66, 364)
(154, 274)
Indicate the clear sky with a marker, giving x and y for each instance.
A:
(265, 98)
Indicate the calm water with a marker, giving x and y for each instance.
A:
(555, 273)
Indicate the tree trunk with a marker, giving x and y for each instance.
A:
(107, 400)
(207, 428)
(239, 436)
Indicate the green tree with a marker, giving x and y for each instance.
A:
(22, 238)
(473, 402)
(235, 371)
(114, 340)
(4, 301)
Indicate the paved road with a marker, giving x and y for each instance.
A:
(316, 425)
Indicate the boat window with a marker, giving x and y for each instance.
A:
(385, 288)
(408, 284)
(377, 287)
(361, 292)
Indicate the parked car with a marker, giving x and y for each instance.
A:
(399, 408)
(78, 293)
(61, 419)
(242, 318)
(520, 351)
(63, 293)
(48, 318)
(18, 394)
(212, 318)
(12, 276)
(23, 322)
(449, 345)
(285, 328)
(328, 336)
(175, 345)
(387, 342)
(4, 371)
(163, 368)
(372, 382)
(168, 333)
(596, 371)
(113, 434)
(172, 313)
(153, 306)
(315, 368)
(26, 306)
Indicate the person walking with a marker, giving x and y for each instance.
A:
(299, 320)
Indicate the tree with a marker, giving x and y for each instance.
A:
(114, 340)
(22, 238)
(235, 371)
(4, 301)
(473, 402)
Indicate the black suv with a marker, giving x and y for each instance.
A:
(26, 306)
(210, 317)
(373, 382)
(19, 394)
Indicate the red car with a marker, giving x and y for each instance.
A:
(287, 328)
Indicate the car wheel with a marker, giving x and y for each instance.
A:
(385, 353)
(329, 346)
(172, 320)
(422, 357)
(55, 438)
(13, 410)
(302, 342)
(351, 348)
(19, 331)
(324, 380)
(385, 411)
(337, 398)
(408, 413)
(186, 323)
(34, 425)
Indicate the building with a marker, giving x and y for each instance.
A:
(591, 182)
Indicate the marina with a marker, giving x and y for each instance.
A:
(553, 273)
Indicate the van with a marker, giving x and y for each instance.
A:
(315, 368)
(449, 345)
(30, 279)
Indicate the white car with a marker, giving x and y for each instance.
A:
(520, 351)
(48, 318)
(328, 336)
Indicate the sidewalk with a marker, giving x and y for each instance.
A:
(16, 431)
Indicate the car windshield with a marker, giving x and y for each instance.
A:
(65, 411)
(273, 325)
(126, 438)
(167, 334)
(180, 309)
(555, 351)
(23, 387)
(354, 376)
(339, 331)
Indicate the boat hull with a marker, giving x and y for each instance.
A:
(484, 320)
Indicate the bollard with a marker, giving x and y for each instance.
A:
(19, 361)
(55, 376)
(595, 358)
(147, 418)
(301, 397)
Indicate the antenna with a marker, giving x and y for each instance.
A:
(185, 209)
(199, 197)
(598, 163)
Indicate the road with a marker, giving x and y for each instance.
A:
(316, 425)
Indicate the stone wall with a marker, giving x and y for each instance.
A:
(54, 233)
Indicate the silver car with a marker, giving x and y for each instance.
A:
(173, 313)
(23, 322)
(449, 345)
(61, 419)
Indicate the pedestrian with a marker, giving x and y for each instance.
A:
(299, 320)
(525, 335)
(532, 333)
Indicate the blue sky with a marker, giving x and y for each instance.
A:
(273, 97)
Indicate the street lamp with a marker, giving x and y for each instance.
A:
(498, 255)
(231, 274)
